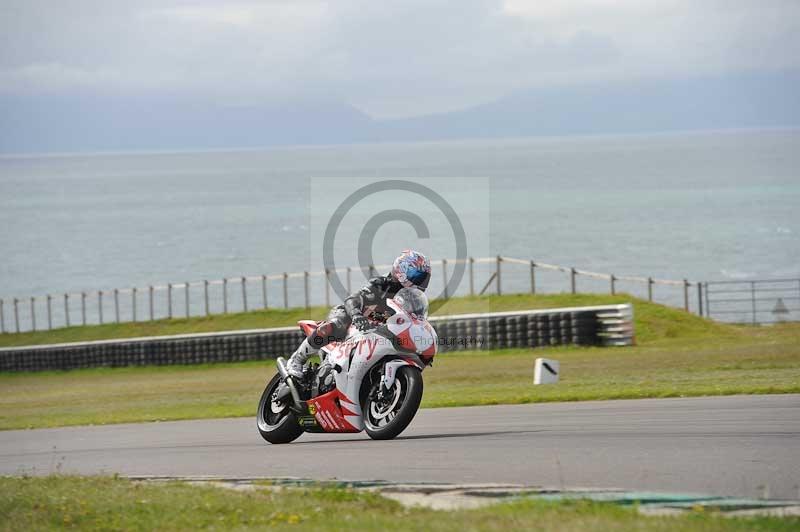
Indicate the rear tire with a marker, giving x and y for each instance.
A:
(276, 422)
(386, 419)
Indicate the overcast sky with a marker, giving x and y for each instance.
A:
(389, 59)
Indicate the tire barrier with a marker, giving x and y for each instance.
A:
(608, 325)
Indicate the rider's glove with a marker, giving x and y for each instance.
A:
(361, 323)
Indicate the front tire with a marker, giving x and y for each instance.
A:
(387, 417)
(276, 421)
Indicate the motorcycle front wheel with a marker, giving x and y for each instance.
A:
(387, 415)
(276, 422)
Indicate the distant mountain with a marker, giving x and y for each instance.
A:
(663, 105)
(167, 122)
(45, 123)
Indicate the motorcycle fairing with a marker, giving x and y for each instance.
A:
(413, 334)
(333, 412)
(352, 358)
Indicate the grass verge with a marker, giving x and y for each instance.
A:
(109, 503)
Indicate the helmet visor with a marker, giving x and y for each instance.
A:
(420, 278)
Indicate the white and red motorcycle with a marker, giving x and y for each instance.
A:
(369, 381)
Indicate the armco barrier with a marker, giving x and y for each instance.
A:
(599, 325)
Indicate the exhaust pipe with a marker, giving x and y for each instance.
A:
(289, 380)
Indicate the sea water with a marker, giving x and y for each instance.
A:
(702, 206)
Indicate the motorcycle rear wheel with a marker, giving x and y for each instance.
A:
(276, 422)
(386, 418)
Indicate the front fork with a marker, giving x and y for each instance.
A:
(289, 381)
(390, 375)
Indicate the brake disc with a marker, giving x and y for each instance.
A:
(276, 406)
(389, 407)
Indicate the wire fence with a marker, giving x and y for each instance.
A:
(753, 301)
(310, 288)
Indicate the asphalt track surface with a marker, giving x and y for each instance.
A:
(736, 446)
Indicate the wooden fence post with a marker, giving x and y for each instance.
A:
(327, 287)
(205, 297)
(305, 289)
(686, 295)
(285, 290)
(572, 275)
(471, 277)
(444, 277)
(224, 296)
(499, 286)
(244, 293)
(699, 298)
(533, 277)
(169, 300)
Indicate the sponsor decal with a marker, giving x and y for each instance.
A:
(322, 421)
(330, 419)
(307, 421)
(371, 344)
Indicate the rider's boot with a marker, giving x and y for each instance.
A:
(295, 363)
(324, 334)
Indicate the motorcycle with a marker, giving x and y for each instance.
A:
(369, 381)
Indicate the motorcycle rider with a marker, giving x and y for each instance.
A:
(411, 268)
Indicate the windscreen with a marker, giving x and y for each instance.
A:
(414, 301)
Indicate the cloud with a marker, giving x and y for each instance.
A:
(388, 58)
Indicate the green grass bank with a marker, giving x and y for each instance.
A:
(107, 503)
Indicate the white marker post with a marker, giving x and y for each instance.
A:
(545, 371)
